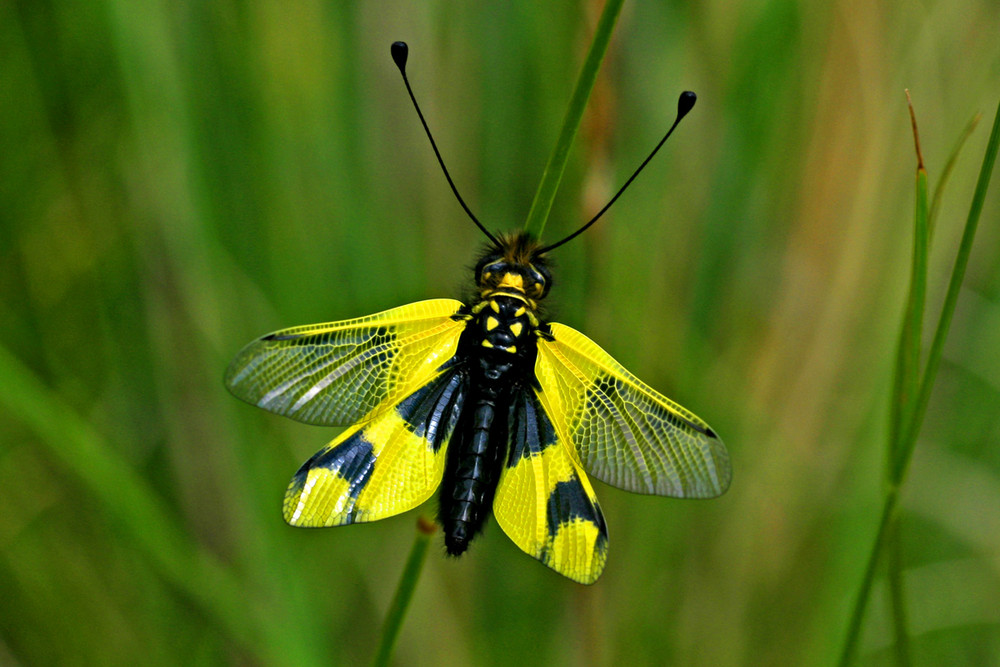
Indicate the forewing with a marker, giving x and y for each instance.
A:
(626, 433)
(338, 373)
(544, 501)
(382, 468)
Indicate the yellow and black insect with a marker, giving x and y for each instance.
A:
(485, 401)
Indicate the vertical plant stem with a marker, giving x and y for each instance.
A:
(909, 430)
(858, 614)
(404, 591)
(950, 301)
(946, 174)
(897, 594)
(905, 388)
(907, 373)
(546, 193)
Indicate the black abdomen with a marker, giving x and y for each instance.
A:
(472, 473)
(498, 348)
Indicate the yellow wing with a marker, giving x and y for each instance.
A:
(338, 373)
(544, 501)
(387, 466)
(626, 433)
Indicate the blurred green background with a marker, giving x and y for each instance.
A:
(179, 178)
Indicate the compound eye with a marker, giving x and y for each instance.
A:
(539, 281)
(490, 270)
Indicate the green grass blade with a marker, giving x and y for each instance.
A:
(134, 508)
(897, 595)
(907, 375)
(864, 590)
(948, 309)
(547, 188)
(911, 428)
(907, 372)
(946, 173)
(404, 591)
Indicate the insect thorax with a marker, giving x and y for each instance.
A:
(510, 278)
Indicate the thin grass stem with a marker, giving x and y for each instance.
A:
(404, 591)
(897, 594)
(948, 309)
(907, 372)
(946, 174)
(911, 428)
(552, 176)
(864, 590)
(907, 376)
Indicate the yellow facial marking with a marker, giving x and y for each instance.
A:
(513, 281)
(516, 328)
(492, 323)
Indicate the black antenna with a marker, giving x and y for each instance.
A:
(684, 104)
(399, 52)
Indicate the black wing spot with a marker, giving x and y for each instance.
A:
(432, 411)
(276, 336)
(531, 431)
(568, 501)
(360, 337)
(352, 460)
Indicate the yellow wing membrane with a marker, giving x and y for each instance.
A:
(387, 466)
(626, 433)
(544, 501)
(338, 373)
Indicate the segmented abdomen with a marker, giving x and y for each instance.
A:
(473, 467)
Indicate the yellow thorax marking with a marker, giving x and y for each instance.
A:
(512, 349)
(491, 294)
(492, 323)
(515, 328)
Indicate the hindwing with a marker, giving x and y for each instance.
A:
(626, 433)
(384, 467)
(339, 373)
(544, 501)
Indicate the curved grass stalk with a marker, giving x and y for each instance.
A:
(909, 425)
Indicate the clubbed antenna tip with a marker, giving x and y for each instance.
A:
(400, 51)
(684, 103)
